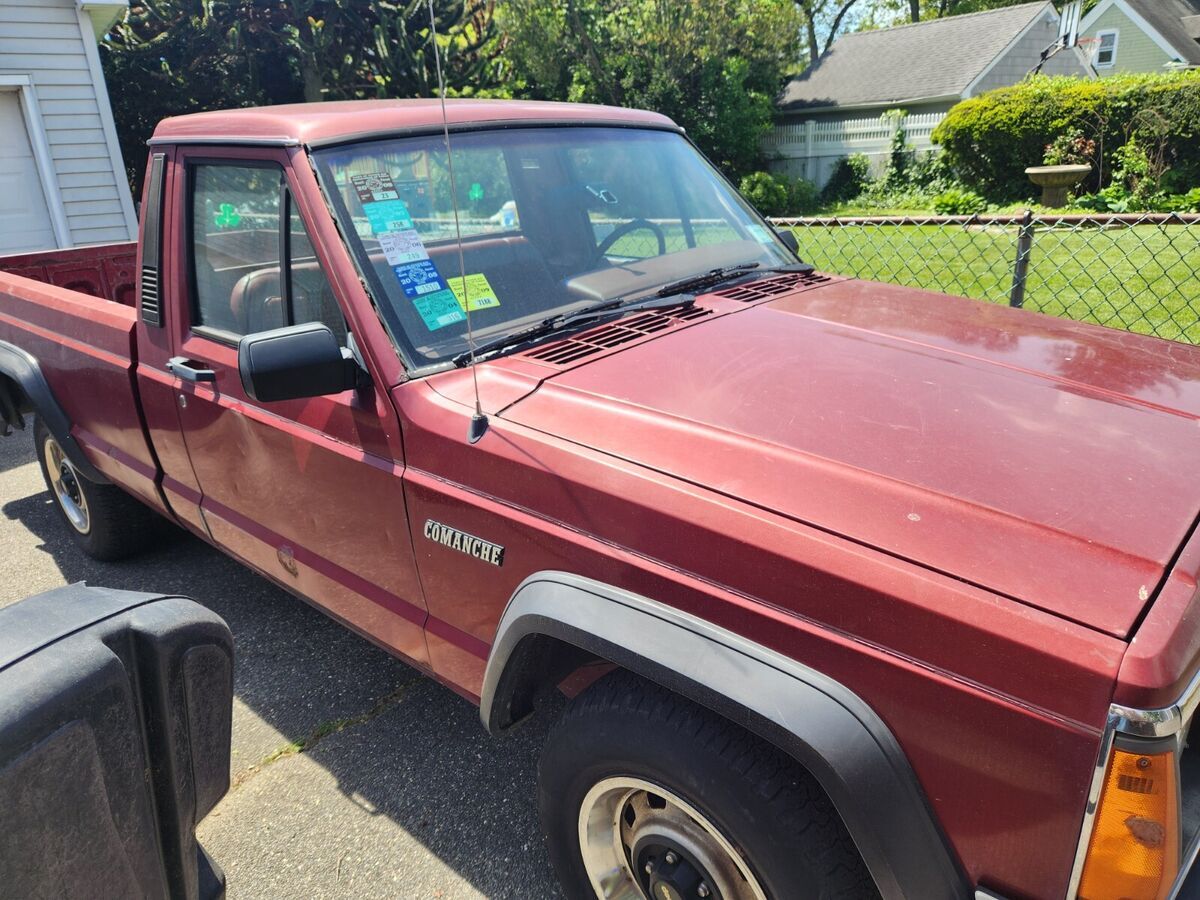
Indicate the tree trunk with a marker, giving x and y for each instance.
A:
(814, 49)
(914, 10)
(314, 81)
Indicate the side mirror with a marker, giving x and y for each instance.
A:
(295, 362)
(789, 240)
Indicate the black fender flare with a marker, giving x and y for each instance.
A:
(828, 729)
(26, 373)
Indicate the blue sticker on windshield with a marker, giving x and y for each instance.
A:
(388, 215)
(439, 309)
(419, 278)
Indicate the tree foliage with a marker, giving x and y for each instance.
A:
(173, 56)
(714, 66)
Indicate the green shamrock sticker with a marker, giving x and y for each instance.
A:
(227, 217)
(475, 194)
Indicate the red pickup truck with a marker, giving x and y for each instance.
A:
(856, 589)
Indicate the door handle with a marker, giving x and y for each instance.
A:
(189, 370)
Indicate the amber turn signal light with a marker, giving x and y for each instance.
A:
(1134, 849)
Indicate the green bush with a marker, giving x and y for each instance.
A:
(848, 179)
(1180, 203)
(989, 140)
(803, 196)
(778, 195)
(958, 202)
(1116, 198)
(765, 192)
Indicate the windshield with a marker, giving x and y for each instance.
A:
(552, 219)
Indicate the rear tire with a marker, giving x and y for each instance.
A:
(105, 522)
(693, 797)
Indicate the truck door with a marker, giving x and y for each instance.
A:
(161, 299)
(307, 491)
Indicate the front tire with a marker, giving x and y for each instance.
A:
(644, 794)
(104, 521)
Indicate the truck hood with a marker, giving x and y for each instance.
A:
(1045, 460)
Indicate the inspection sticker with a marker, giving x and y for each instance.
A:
(402, 247)
(388, 215)
(420, 278)
(374, 187)
(439, 309)
(476, 289)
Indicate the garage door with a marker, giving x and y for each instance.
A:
(24, 217)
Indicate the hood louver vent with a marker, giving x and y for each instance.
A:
(562, 353)
(769, 287)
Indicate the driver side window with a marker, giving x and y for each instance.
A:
(239, 286)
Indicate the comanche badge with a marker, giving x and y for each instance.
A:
(464, 543)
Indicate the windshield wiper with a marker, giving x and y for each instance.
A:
(709, 279)
(565, 321)
(719, 276)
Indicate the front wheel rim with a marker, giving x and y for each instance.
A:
(638, 840)
(65, 483)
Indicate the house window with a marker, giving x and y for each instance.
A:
(1106, 50)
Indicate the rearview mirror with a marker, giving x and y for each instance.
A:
(295, 362)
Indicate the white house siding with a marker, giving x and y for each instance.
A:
(52, 42)
(1023, 54)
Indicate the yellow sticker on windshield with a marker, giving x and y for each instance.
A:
(476, 289)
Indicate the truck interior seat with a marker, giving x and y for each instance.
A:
(255, 302)
(256, 305)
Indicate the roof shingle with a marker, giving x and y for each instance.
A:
(938, 58)
(1166, 17)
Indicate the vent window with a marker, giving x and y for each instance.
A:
(769, 287)
(562, 353)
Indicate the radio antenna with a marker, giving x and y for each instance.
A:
(479, 422)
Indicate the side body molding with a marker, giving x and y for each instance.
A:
(33, 394)
(824, 726)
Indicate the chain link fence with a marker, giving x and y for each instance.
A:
(1137, 272)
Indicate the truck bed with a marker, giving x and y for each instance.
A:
(73, 311)
(108, 271)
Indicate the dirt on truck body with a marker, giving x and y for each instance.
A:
(888, 592)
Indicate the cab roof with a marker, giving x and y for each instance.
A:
(329, 122)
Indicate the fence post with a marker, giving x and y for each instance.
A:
(1021, 266)
(810, 128)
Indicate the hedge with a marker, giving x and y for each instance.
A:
(990, 139)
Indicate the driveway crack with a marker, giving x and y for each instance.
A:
(320, 732)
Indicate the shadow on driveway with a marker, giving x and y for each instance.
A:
(388, 743)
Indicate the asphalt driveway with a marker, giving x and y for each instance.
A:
(353, 775)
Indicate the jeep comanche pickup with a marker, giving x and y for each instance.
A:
(856, 589)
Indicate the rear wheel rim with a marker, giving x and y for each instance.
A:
(639, 840)
(65, 484)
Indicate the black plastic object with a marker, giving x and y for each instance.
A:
(115, 712)
(789, 240)
(294, 362)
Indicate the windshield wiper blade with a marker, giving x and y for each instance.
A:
(569, 320)
(728, 273)
(709, 279)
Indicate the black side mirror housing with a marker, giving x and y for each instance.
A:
(295, 362)
(789, 240)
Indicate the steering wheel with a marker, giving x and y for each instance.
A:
(621, 230)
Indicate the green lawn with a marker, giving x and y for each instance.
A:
(1145, 279)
